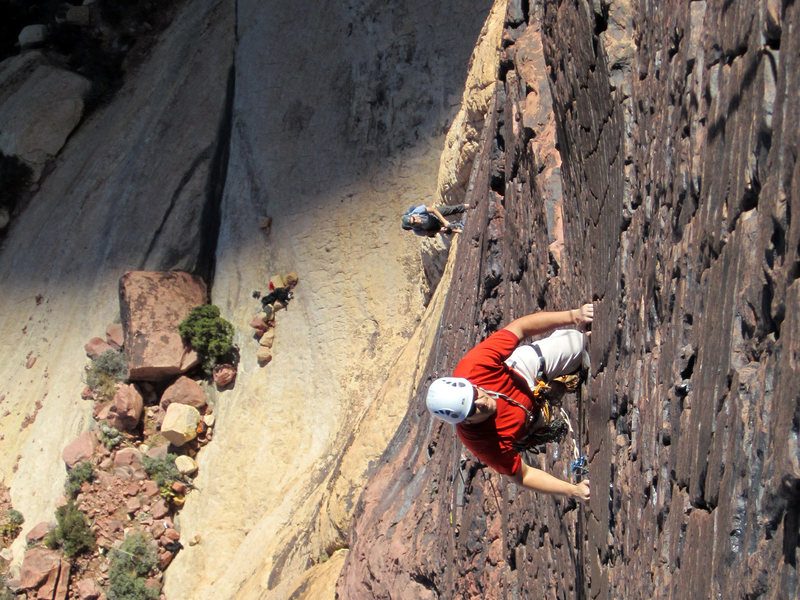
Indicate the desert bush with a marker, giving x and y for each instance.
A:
(72, 533)
(77, 475)
(209, 335)
(130, 565)
(163, 472)
(105, 372)
(11, 525)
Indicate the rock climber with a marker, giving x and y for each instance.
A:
(429, 220)
(491, 398)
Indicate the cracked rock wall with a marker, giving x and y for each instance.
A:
(677, 132)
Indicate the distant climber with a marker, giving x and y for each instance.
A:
(280, 294)
(429, 220)
(492, 400)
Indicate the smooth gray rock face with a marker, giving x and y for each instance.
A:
(127, 191)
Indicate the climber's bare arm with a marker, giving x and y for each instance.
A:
(545, 321)
(544, 483)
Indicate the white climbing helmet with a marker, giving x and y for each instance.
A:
(450, 398)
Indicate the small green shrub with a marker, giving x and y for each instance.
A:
(209, 335)
(105, 372)
(11, 525)
(77, 475)
(163, 472)
(15, 517)
(130, 565)
(110, 437)
(72, 533)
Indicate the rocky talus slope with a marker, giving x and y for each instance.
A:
(677, 134)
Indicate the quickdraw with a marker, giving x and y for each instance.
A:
(578, 466)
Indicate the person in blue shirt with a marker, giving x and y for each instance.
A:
(430, 220)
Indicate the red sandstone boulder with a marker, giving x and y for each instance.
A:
(260, 325)
(128, 457)
(126, 409)
(184, 391)
(80, 449)
(37, 532)
(87, 589)
(96, 346)
(159, 509)
(45, 572)
(114, 335)
(224, 375)
(152, 305)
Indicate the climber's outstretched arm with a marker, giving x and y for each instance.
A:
(545, 321)
(544, 483)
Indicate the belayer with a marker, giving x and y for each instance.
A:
(493, 399)
(429, 220)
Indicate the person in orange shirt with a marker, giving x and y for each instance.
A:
(490, 397)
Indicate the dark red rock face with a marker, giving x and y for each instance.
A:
(677, 171)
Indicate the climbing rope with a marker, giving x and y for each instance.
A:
(578, 464)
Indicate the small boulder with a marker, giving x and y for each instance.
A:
(186, 465)
(40, 569)
(190, 360)
(224, 375)
(38, 532)
(150, 488)
(180, 424)
(126, 408)
(80, 449)
(128, 457)
(259, 325)
(32, 36)
(159, 509)
(264, 355)
(268, 338)
(96, 346)
(184, 391)
(79, 15)
(87, 589)
(158, 452)
(114, 335)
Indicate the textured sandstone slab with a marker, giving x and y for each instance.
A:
(152, 305)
